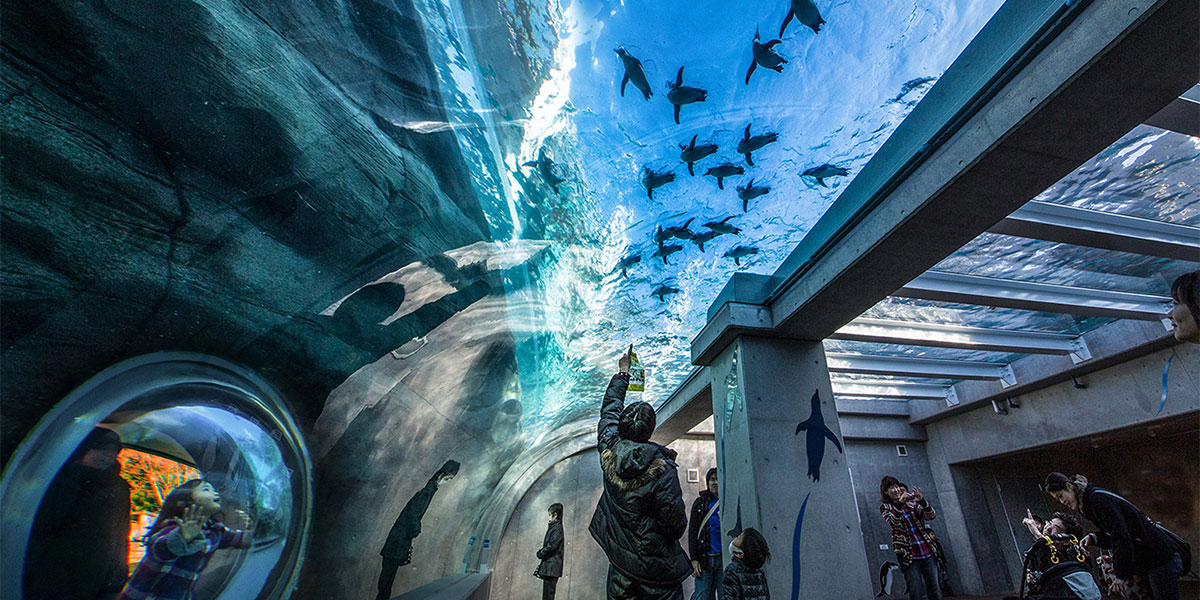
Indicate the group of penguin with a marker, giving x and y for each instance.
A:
(680, 95)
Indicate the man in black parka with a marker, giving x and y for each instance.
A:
(79, 546)
(641, 514)
(551, 553)
(397, 550)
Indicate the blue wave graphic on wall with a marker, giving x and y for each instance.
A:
(796, 550)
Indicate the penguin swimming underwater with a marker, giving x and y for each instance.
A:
(823, 171)
(691, 153)
(663, 235)
(815, 439)
(635, 73)
(663, 291)
(680, 94)
(703, 238)
(806, 12)
(737, 254)
(652, 180)
(750, 143)
(723, 226)
(627, 263)
(764, 54)
(545, 166)
(750, 192)
(666, 250)
(724, 170)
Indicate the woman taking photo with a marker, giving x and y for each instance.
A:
(906, 513)
(1139, 546)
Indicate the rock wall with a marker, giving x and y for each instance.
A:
(197, 176)
(229, 177)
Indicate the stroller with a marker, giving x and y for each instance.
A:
(1056, 569)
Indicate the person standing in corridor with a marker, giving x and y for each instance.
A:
(906, 513)
(704, 540)
(551, 553)
(641, 515)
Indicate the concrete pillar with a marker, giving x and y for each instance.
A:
(793, 487)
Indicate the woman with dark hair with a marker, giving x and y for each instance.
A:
(906, 513)
(744, 578)
(551, 553)
(1185, 315)
(1139, 546)
(180, 543)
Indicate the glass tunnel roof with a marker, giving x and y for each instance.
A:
(1149, 173)
(836, 101)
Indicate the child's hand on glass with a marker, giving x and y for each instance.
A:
(190, 524)
(239, 520)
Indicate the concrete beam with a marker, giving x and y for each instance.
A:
(880, 408)
(1025, 295)
(1117, 342)
(909, 333)
(862, 428)
(1083, 89)
(882, 388)
(904, 366)
(1180, 116)
(689, 405)
(1099, 229)
(730, 321)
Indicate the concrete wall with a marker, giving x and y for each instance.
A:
(978, 470)
(576, 483)
(1123, 396)
(869, 462)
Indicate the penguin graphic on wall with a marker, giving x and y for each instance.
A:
(815, 440)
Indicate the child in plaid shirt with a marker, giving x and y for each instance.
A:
(180, 543)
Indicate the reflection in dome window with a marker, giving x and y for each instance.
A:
(193, 487)
(205, 471)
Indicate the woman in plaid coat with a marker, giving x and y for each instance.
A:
(906, 513)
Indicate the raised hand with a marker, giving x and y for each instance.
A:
(189, 525)
(239, 520)
(1031, 524)
(917, 495)
(626, 360)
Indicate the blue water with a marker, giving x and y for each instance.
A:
(842, 92)
(840, 95)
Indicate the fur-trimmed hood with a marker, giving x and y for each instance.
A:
(631, 465)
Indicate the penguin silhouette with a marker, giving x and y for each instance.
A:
(815, 440)
(737, 526)
(806, 12)
(633, 73)
(679, 94)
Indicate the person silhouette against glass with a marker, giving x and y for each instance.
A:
(79, 545)
(397, 550)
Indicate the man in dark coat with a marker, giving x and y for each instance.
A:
(704, 539)
(551, 553)
(397, 550)
(79, 546)
(641, 515)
